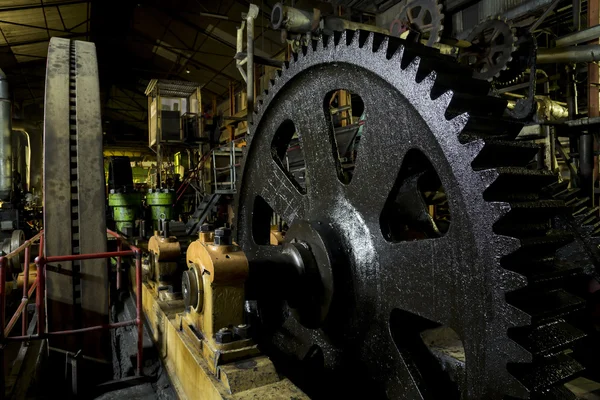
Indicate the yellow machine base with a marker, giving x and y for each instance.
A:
(250, 378)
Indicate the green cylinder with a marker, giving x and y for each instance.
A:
(161, 205)
(126, 208)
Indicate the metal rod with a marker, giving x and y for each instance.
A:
(570, 55)
(118, 264)
(47, 335)
(140, 311)
(574, 38)
(25, 245)
(123, 240)
(252, 13)
(89, 256)
(544, 16)
(25, 293)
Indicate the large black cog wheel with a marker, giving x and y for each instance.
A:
(490, 278)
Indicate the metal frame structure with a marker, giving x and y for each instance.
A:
(39, 287)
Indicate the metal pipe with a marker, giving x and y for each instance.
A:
(47, 335)
(40, 293)
(27, 172)
(579, 37)
(25, 293)
(140, 312)
(525, 8)
(336, 24)
(6, 184)
(292, 19)
(89, 256)
(252, 13)
(239, 49)
(570, 55)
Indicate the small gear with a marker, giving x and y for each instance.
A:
(491, 50)
(422, 16)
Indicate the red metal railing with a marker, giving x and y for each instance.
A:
(39, 287)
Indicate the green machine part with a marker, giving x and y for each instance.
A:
(126, 209)
(161, 205)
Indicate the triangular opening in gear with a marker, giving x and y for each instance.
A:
(434, 350)
(268, 228)
(345, 111)
(286, 150)
(417, 207)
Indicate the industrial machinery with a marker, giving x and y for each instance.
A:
(476, 309)
(392, 233)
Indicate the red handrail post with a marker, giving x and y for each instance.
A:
(140, 310)
(40, 292)
(119, 265)
(25, 290)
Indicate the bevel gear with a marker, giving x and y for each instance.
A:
(492, 46)
(488, 284)
(424, 17)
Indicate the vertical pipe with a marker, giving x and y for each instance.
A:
(140, 311)
(25, 290)
(250, 67)
(5, 140)
(586, 147)
(119, 265)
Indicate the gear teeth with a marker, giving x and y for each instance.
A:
(427, 84)
(548, 339)
(545, 306)
(339, 37)
(324, 41)
(350, 38)
(511, 281)
(412, 69)
(503, 153)
(538, 377)
(444, 99)
(518, 184)
(382, 46)
(365, 39)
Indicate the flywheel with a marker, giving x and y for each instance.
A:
(74, 217)
(371, 294)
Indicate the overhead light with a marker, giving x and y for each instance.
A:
(187, 71)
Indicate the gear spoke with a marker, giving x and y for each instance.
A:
(413, 273)
(281, 194)
(315, 134)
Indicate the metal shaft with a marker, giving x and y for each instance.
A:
(587, 53)
(5, 140)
